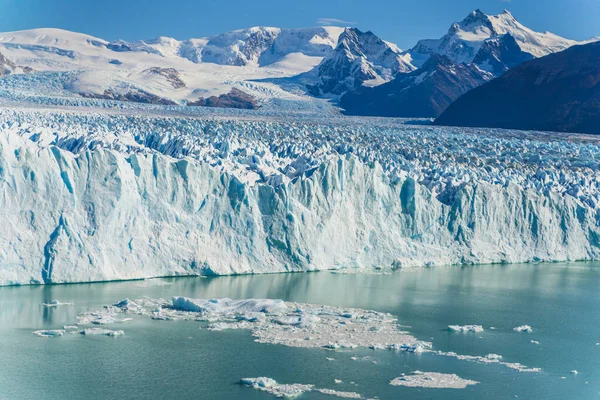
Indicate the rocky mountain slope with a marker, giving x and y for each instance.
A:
(424, 93)
(559, 92)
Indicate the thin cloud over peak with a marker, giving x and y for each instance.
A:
(334, 21)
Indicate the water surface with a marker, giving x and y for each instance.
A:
(157, 359)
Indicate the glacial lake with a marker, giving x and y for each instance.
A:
(178, 360)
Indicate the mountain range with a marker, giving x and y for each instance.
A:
(249, 68)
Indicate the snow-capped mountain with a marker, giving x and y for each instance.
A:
(257, 46)
(164, 70)
(424, 93)
(482, 39)
(360, 58)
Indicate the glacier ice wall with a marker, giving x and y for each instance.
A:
(111, 213)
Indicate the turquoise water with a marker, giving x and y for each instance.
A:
(161, 360)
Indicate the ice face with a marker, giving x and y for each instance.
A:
(129, 194)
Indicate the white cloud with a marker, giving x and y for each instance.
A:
(334, 22)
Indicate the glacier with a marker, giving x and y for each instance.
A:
(93, 194)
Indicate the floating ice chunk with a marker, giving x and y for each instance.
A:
(278, 390)
(100, 331)
(574, 372)
(229, 306)
(534, 342)
(128, 305)
(523, 328)
(70, 327)
(465, 328)
(56, 303)
(432, 380)
(49, 333)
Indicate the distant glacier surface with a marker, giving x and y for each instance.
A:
(95, 195)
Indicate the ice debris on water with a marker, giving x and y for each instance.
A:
(489, 359)
(523, 328)
(293, 390)
(433, 380)
(299, 324)
(534, 342)
(465, 328)
(304, 325)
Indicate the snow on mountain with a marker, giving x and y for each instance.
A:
(360, 58)
(165, 70)
(475, 39)
(99, 195)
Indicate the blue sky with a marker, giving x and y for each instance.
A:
(400, 21)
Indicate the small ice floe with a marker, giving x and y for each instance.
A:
(344, 395)
(574, 372)
(534, 342)
(433, 380)
(101, 332)
(56, 303)
(49, 333)
(330, 358)
(523, 328)
(278, 390)
(70, 327)
(337, 380)
(488, 359)
(293, 390)
(465, 328)
(492, 328)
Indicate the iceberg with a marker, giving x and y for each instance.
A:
(136, 193)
